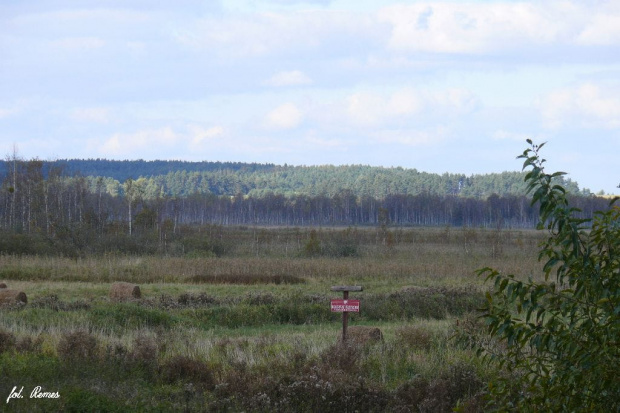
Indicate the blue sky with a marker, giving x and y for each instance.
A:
(435, 85)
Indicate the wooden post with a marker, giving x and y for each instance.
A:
(345, 318)
(345, 314)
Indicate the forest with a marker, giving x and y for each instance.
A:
(57, 203)
(181, 179)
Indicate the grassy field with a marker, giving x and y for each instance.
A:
(251, 330)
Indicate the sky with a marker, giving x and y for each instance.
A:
(440, 86)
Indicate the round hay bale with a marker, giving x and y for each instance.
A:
(12, 297)
(364, 334)
(3, 285)
(121, 291)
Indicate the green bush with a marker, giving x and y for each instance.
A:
(432, 303)
(130, 315)
(561, 334)
(83, 400)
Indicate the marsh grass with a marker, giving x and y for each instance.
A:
(252, 330)
(418, 253)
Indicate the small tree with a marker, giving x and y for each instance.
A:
(561, 336)
(134, 191)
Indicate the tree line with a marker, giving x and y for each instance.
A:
(41, 198)
(181, 179)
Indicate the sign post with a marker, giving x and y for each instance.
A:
(345, 305)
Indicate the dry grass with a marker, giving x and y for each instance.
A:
(166, 340)
(431, 256)
(364, 335)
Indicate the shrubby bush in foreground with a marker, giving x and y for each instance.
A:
(560, 337)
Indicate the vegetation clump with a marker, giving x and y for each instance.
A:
(560, 335)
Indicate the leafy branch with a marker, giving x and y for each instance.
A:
(561, 336)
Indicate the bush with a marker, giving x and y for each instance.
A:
(415, 337)
(77, 346)
(186, 369)
(121, 316)
(561, 334)
(7, 341)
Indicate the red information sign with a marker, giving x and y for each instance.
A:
(345, 306)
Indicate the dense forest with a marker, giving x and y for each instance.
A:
(182, 179)
(42, 203)
(38, 195)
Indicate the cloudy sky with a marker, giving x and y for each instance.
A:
(435, 85)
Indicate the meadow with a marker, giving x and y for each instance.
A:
(251, 329)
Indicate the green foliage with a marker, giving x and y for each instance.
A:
(81, 400)
(313, 245)
(429, 303)
(130, 315)
(560, 335)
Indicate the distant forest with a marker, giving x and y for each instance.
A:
(78, 199)
(182, 179)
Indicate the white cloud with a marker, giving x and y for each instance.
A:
(603, 29)
(82, 19)
(132, 144)
(504, 135)
(5, 113)
(78, 43)
(200, 136)
(476, 28)
(17, 107)
(324, 142)
(465, 27)
(413, 137)
(290, 78)
(586, 105)
(164, 140)
(136, 48)
(261, 34)
(95, 115)
(457, 99)
(367, 109)
(404, 102)
(286, 116)
(372, 109)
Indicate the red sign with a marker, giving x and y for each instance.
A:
(345, 306)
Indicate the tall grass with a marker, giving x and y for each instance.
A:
(252, 330)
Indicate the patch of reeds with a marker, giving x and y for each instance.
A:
(246, 279)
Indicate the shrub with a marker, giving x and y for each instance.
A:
(77, 346)
(130, 315)
(562, 333)
(344, 357)
(245, 278)
(145, 351)
(415, 337)
(186, 369)
(313, 245)
(27, 345)
(7, 341)
(52, 302)
(84, 400)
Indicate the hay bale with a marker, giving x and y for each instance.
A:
(364, 334)
(12, 297)
(3, 285)
(122, 291)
